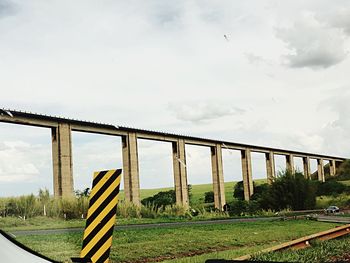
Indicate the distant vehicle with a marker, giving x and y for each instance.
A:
(332, 209)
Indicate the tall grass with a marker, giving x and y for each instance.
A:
(29, 206)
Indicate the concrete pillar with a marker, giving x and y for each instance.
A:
(218, 176)
(62, 160)
(270, 167)
(320, 170)
(290, 163)
(306, 166)
(131, 168)
(332, 169)
(247, 174)
(180, 172)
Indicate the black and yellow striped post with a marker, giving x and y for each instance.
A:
(101, 215)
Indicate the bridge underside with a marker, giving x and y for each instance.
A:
(61, 129)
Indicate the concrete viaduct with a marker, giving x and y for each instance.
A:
(61, 129)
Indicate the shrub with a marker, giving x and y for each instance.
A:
(237, 207)
(259, 190)
(209, 197)
(161, 199)
(289, 191)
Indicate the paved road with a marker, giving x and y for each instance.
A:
(145, 226)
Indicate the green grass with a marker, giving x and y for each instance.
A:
(345, 182)
(139, 245)
(38, 223)
(14, 223)
(319, 252)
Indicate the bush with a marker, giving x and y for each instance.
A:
(289, 191)
(209, 197)
(161, 199)
(259, 190)
(331, 188)
(237, 207)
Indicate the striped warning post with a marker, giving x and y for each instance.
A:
(101, 216)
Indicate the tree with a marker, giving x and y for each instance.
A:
(289, 190)
(331, 187)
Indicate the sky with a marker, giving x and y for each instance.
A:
(271, 73)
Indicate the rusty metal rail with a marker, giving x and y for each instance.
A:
(333, 219)
(305, 241)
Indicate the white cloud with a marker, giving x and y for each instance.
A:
(312, 43)
(7, 8)
(340, 19)
(16, 162)
(255, 59)
(197, 111)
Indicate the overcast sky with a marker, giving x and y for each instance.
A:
(272, 73)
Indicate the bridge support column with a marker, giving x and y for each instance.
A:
(131, 168)
(290, 163)
(62, 160)
(180, 173)
(306, 166)
(218, 176)
(270, 167)
(247, 174)
(320, 170)
(332, 167)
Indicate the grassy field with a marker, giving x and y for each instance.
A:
(198, 191)
(150, 245)
(37, 223)
(327, 251)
